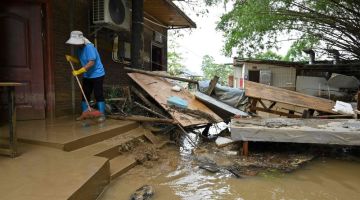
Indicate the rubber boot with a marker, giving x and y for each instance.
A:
(101, 108)
(84, 106)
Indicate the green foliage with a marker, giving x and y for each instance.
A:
(268, 55)
(174, 58)
(259, 25)
(210, 69)
(174, 63)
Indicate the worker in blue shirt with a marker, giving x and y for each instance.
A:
(92, 69)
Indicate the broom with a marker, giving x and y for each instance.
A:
(90, 113)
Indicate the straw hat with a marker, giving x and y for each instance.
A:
(76, 38)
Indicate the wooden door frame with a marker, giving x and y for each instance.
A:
(48, 56)
(160, 46)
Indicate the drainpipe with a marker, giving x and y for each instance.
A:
(115, 51)
(311, 54)
(137, 34)
(336, 55)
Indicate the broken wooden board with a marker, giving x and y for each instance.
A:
(275, 94)
(160, 90)
(312, 131)
(222, 109)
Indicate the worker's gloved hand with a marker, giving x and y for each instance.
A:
(78, 72)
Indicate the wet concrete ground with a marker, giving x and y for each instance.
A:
(177, 176)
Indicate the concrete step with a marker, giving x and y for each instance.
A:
(101, 135)
(120, 165)
(109, 148)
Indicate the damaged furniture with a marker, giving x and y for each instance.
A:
(10, 88)
(259, 92)
(313, 131)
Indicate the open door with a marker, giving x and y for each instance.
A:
(156, 58)
(21, 57)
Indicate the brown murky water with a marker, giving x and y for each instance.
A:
(177, 177)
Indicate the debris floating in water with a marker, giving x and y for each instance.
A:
(145, 192)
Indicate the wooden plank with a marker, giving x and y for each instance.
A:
(11, 84)
(144, 99)
(219, 105)
(160, 90)
(261, 91)
(160, 75)
(278, 112)
(212, 85)
(140, 118)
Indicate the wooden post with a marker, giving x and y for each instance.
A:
(245, 150)
(137, 34)
(212, 85)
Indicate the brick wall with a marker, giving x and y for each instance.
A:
(61, 28)
(62, 25)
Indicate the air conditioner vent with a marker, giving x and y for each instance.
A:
(113, 14)
(98, 12)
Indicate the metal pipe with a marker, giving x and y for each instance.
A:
(336, 55)
(311, 54)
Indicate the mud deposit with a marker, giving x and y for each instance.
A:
(178, 176)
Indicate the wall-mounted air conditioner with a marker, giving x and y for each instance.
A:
(113, 14)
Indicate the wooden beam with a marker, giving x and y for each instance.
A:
(334, 117)
(253, 105)
(137, 34)
(161, 75)
(277, 112)
(149, 110)
(275, 94)
(144, 99)
(139, 118)
(212, 85)
(263, 105)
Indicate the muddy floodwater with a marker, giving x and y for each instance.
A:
(177, 176)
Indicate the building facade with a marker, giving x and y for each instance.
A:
(33, 49)
(265, 72)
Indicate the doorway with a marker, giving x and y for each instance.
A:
(156, 58)
(254, 75)
(22, 57)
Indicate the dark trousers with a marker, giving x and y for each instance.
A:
(96, 84)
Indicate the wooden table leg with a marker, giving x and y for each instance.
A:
(12, 121)
(245, 149)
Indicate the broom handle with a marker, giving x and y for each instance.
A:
(82, 91)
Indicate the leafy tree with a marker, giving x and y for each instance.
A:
(268, 55)
(174, 63)
(258, 25)
(174, 58)
(210, 69)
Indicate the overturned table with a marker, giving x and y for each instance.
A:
(10, 89)
(313, 131)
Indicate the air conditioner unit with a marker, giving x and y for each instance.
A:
(113, 14)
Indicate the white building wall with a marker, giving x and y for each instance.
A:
(237, 76)
(284, 77)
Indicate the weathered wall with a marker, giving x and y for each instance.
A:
(63, 13)
(283, 77)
